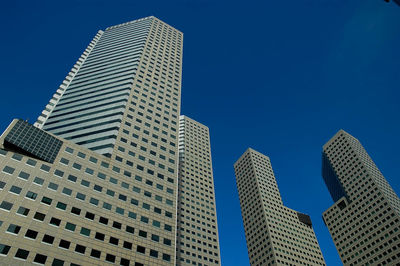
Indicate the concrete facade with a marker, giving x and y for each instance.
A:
(275, 234)
(364, 221)
(107, 194)
(197, 238)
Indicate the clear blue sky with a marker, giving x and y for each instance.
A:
(278, 76)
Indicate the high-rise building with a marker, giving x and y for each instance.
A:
(364, 221)
(275, 234)
(197, 230)
(95, 181)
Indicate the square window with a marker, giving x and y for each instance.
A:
(14, 229)
(89, 215)
(122, 197)
(153, 253)
(120, 210)
(31, 234)
(23, 211)
(167, 242)
(117, 225)
(144, 219)
(48, 239)
(23, 175)
(155, 238)
(80, 249)
(127, 245)
(85, 183)
(141, 249)
(58, 173)
(103, 220)
(31, 195)
(46, 200)
(134, 202)
(70, 226)
(31, 162)
(41, 259)
(125, 185)
(93, 160)
(22, 254)
(15, 190)
(124, 262)
(94, 201)
(114, 240)
(38, 181)
(67, 191)
(45, 168)
(130, 229)
(64, 244)
(75, 210)
(54, 221)
(53, 186)
(110, 258)
(110, 193)
(4, 249)
(95, 253)
(80, 196)
(85, 231)
(99, 236)
(72, 178)
(57, 262)
(61, 205)
(142, 233)
(166, 257)
(107, 206)
(132, 215)
(39, 216)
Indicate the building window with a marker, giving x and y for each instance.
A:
(22, 254)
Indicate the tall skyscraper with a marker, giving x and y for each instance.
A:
(275, 234)
(364, 221)
(197, 238)
(95, 181)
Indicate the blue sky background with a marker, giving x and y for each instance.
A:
(278, 76)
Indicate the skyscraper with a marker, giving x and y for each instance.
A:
(275, 234)
(95, 181)
(197, 238)
(364, 221)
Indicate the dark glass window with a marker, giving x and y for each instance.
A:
(22, 254)
(31, 234)
(64, 244)
(110, 258)
(48, 239)
(141, 249)
(39, 258)
(99, 236)
(4, 249)
(39, 216)
(80, 249)
(55, 221)
(114, 240)
(127, 245)
(117, 225)
(95, 253)
(76, 211)
(103, 220)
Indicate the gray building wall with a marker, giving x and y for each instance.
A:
(364, 221)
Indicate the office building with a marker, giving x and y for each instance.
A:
(95, 180)
(197, 238)
(364, 221)
(275, 234)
